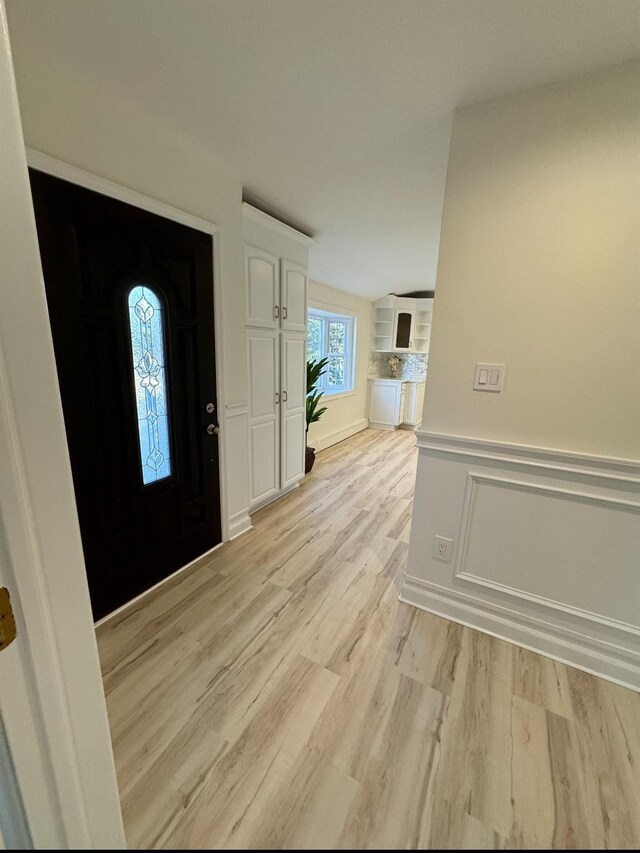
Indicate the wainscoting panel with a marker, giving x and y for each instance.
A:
(546, 549)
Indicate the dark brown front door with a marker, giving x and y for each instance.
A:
(130, 298)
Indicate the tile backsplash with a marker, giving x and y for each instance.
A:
(414, 365)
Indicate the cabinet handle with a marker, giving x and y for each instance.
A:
(276, 312)
(284, 312)
(284, 396)
(277, 398)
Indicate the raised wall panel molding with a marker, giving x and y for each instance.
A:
(546, 548)
(522, 454)
(460, 567)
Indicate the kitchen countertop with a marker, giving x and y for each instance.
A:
(391, 379)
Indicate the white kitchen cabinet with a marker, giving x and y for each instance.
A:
(262, 280)
(413, 404)
(276, 260)
(386, 406)
(394, 403)
(293, 377)
(293, 296)
(263, 362)
(276, 291)
(401, 324)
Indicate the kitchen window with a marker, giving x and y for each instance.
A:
(332, 336)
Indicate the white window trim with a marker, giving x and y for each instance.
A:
(350, 349)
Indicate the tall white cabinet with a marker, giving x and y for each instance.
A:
(275, 264)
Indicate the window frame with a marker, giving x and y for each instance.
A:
(350, 321)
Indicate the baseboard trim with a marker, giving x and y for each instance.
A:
(621, 666)
(340, 435)
(156, 586)
(387, 427)
(258, 505)
(239, 525)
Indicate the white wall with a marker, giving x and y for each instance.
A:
(347, 413)
(540, 267)
(117, 140)
(538, 487)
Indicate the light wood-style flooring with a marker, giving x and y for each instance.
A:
(278, 695)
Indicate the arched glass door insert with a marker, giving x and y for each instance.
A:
(147, 330)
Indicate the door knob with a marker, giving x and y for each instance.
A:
(212, 429)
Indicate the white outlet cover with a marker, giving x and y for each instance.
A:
(442, 548)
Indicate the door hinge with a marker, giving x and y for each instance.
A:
(7, 622)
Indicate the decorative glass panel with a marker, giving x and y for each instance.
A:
(336, 371)
(337, 337)
(314, 339)
(146, 325)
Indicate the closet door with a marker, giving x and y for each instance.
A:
(293, 423)
(262, 280)
(264, 412)
(293, 300)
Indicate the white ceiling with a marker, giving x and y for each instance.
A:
(335, 113)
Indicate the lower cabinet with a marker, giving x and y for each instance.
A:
(394, 403)
(414, 404)
(386, 407)
(277, 384)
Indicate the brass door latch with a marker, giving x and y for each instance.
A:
(7, 622)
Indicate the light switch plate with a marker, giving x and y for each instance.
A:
(489, 377)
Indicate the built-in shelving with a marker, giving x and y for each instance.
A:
(385, 324)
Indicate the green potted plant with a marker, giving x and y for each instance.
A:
(315, 369)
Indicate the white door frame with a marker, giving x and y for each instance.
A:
(52, 701)
(60, 169)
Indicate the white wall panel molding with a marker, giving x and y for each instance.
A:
(546, 549)
(524, 454)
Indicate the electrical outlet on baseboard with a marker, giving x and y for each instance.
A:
(442, 548)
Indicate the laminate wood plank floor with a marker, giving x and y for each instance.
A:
(278, 695)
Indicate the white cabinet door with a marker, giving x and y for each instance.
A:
(403, 330)
(386, 403)
(262, 281)
(263, 364)
(413, 403)
(420, 402)
(410, 405)
(293, 302)
(293, 409)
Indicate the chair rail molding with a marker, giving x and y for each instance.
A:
(546, 548)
